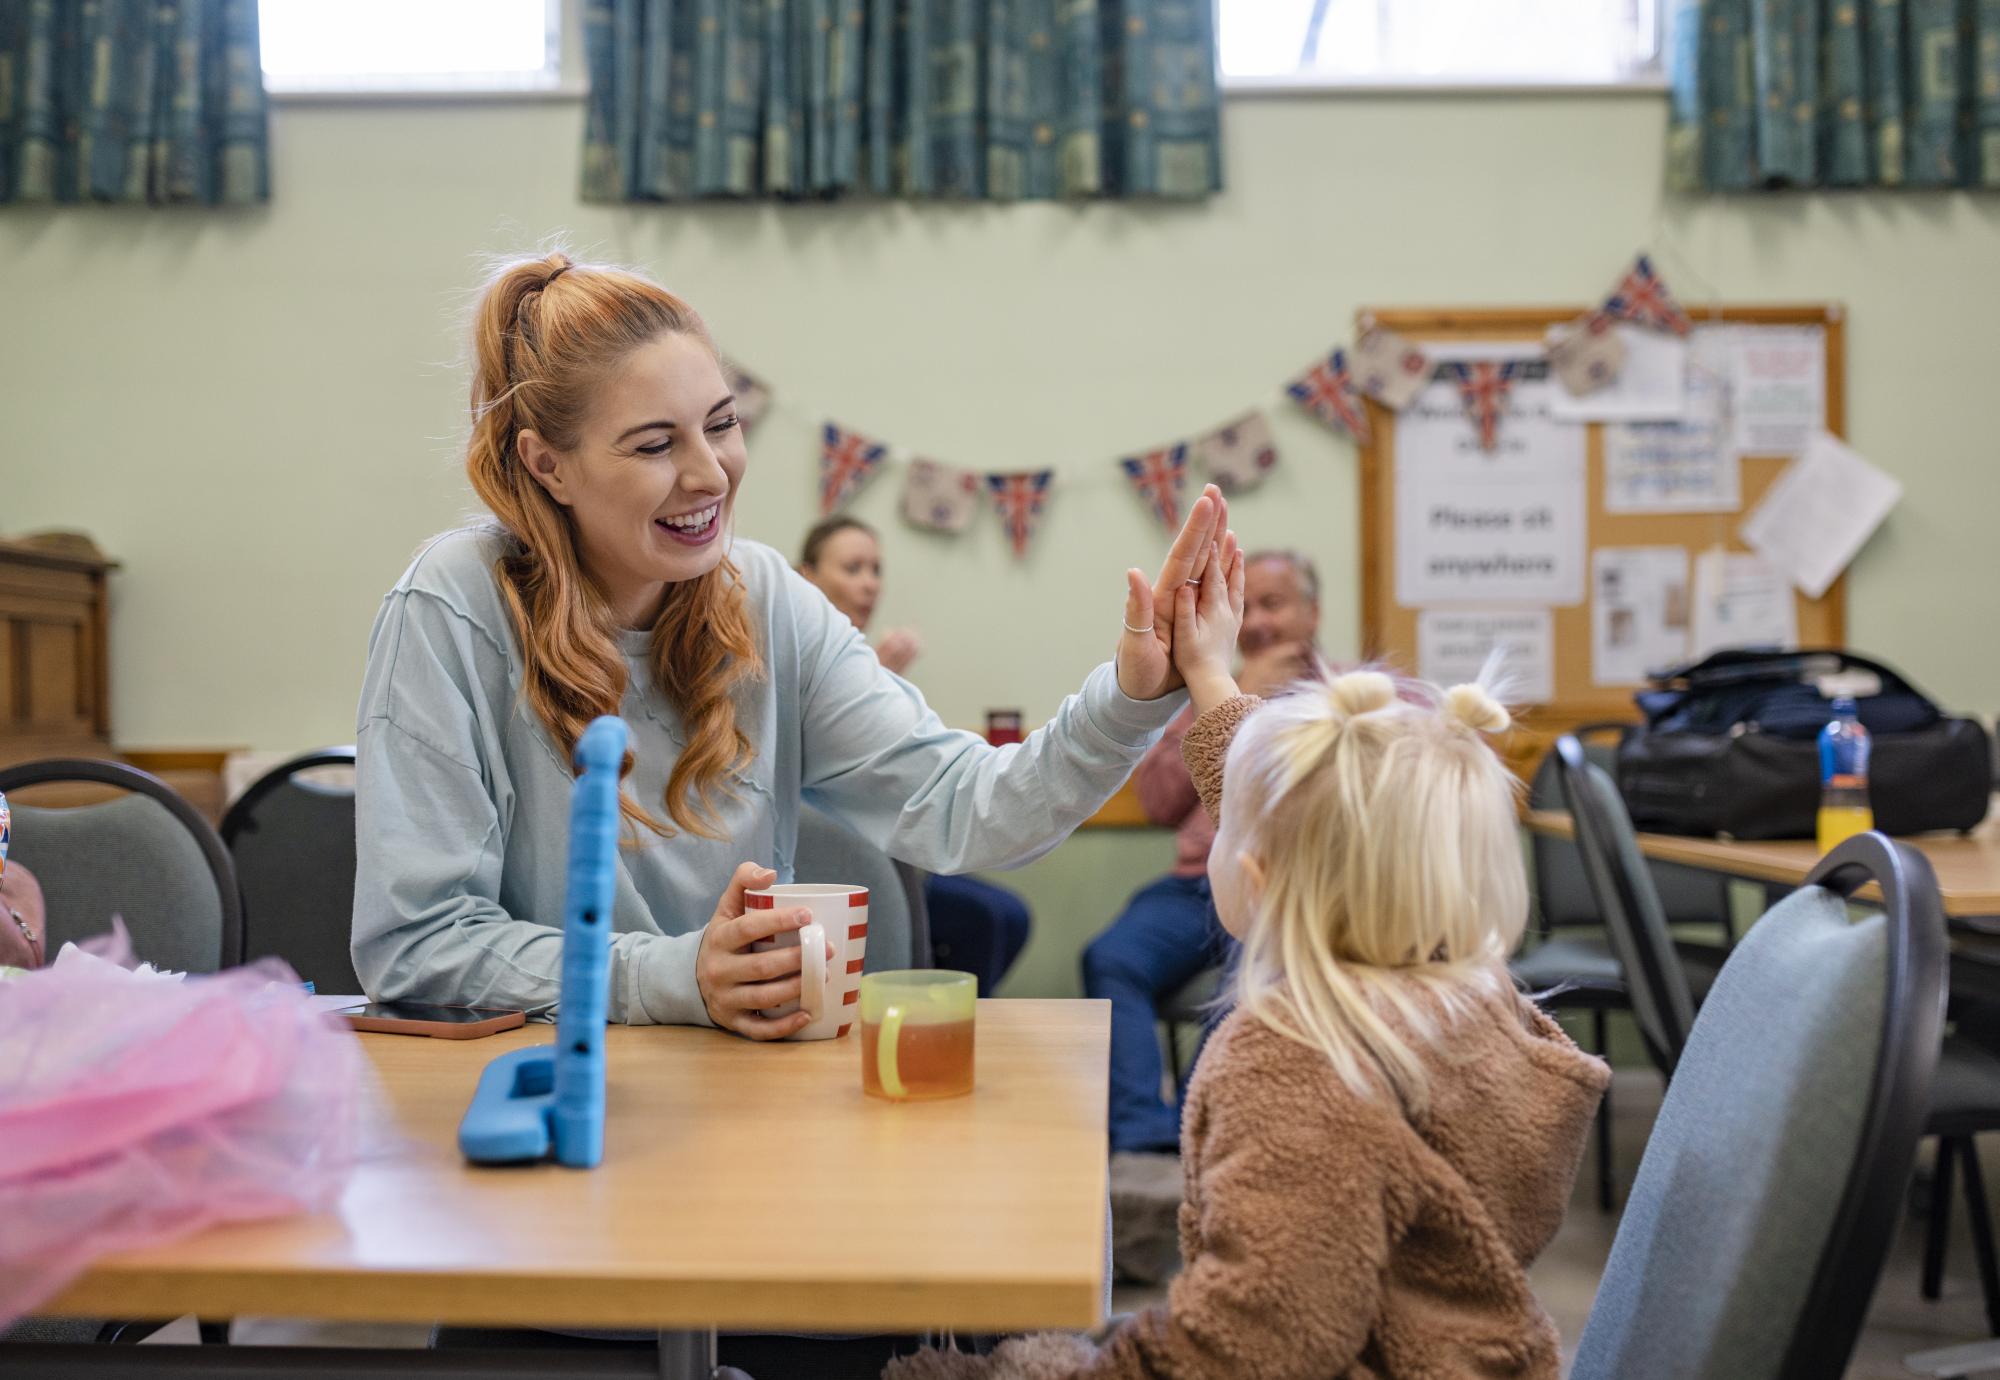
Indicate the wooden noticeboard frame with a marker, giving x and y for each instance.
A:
(1389, 630)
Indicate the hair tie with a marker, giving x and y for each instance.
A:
(1360, 692)
(1475, 707)
(557, 274)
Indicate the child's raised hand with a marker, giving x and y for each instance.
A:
(1207, 617)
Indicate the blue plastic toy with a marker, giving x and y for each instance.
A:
(551, 1097)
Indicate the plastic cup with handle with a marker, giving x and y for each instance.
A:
(829, 988)
(917, 1034)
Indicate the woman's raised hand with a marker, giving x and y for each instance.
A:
(737, 985)
(1146, 667)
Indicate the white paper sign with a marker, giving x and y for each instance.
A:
(1652, 385)
(1453, 645)
(1779, 387)
(1688, 466)
(1638, 612)
(1819, 512)
(1739, 601)
(1504, 526)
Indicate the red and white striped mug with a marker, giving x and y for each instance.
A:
(828, 987)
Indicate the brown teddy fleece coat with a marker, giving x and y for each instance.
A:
(1326, 1234)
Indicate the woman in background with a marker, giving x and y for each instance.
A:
(976, 927)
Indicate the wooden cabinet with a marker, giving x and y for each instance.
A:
(55, 693)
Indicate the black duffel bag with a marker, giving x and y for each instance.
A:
(1730, 746)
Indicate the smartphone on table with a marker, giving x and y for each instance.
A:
(443, 1022)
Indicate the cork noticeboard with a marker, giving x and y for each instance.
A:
(1389, 629)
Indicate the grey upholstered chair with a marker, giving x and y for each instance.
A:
(1777, 1170)
(898, 928)
(292, 837)
(145, 856)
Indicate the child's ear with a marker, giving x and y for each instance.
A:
(1253, 873)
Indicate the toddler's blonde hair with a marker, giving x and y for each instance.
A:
(1393, 882)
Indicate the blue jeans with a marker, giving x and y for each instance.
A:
(1168, 933)
(976, 927)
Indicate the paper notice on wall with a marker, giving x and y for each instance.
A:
(1685, 466)
(1454, 644)
(1651, 383)
(1740, 601)
(1638, 612)
(1779, 387)
(1504, 526)
(1826, 504)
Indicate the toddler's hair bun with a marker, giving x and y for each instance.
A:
(1474, 707)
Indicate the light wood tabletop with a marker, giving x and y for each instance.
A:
(743, 1186)
(1967, 866)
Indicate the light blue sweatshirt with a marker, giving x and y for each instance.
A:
(463, 798)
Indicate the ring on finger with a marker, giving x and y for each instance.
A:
(1129, 628)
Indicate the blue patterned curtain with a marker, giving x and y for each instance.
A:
(1835, 93)
(132, 100)
(1000, 99)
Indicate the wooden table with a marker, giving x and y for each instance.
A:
(744, 1186)
(1968, 867)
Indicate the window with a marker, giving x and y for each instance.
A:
(404, 46)
(1378, 43)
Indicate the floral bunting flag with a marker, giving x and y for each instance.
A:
(1327, 391)
(1238, 455)
(753, 395)
(1390, 368)
(938, 497)
(1020, 497)
(1159, 476)
(1484, 386)
(846, 461)
(1587, 354)
(1641, 297)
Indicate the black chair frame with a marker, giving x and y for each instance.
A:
(59, 770)
(1871, 1205)
(237, 818)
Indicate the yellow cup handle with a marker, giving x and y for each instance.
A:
(885, 1053)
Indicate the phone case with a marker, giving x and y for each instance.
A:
(443, 1030)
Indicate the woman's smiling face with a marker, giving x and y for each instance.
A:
(651, 482)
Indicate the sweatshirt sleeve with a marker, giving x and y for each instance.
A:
(879, 758)
(428, 923)
(1206, 747)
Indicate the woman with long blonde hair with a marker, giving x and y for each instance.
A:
(1383, 1134)
(606, 444)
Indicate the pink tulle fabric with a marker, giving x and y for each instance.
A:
(135, 1109)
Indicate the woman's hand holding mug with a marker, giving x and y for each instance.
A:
(736, 984)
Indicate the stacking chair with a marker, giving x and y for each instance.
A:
(898, 925)
(1775, 1177)
(1574, 970)
(145, 856)
(292, 838)
(148, 858)
(1964, 1096)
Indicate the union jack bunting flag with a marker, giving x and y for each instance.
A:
(1484, 387)
(1239, 455)
(1587, 354)
(1641, 297)
(846, 460)
(1020, 498)
(940, 497)
(1159, 475)
(753, 395)
(1327, 391)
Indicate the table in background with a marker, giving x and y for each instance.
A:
(1967, 866)
(744, 1186)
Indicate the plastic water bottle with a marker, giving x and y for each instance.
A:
(1843, 777)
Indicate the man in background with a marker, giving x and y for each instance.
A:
(1168, 932)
